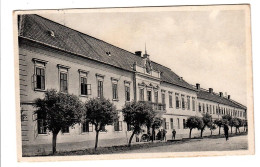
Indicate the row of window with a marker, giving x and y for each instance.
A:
(171, 123)
(212, 109)
(85, 127)
(85, 88)
(184, 104)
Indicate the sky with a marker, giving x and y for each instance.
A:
(206, 47)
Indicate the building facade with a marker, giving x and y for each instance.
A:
(52, 56)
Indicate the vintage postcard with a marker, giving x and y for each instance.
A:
(141, 82)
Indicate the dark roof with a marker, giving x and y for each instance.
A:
(204, 94)
(39, 29)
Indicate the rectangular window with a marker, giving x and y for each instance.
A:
(182, 102)
(41, 124)
(164, 123)
(149, 95)
(156, 97)
(118, 126)
(40, 78)
(199, 107)
(184, 124)
(114, 89)
(87, 127)
(170, 101)
(141, 94)
(100, 88)
(65, 130)
(188, 103)
(127, 93)
(129, 127)
(64, 82)
(178, 122)
(83, 86)
(167, 125)
(103, 129)
(207, 107)
(163, 101)
(177, 101)
(213, 109)
(193, 104)
(203, 107)
(171, 120)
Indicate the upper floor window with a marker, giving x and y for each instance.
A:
(213, 109)
(40, 78)
(64, 82)
(141, 94)
(100, 80)
(163, 98)
(199, 107)
(182, 102)
(127, 93)
(63, 74)
(100, 88)
(177, 101)
(188, 102)
(115, 92)
(193, 104)
(203, 107)
(170, 100)
(207, 107)
(156, 97)
(39, 74)
(85, 89)
(149, 95)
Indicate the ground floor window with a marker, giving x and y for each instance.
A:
(42, 129)
(171, 123)
(184, 124)
(118, 126)
(87, 127)
(65, 130)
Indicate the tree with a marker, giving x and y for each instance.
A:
(137, 114)
(156, 124)
(232, 123)
(219, 123)
(193, 122)
(237, 124)
(59, 111)
(212, 127)
(99, 112)
(206, 119)
(245, 125)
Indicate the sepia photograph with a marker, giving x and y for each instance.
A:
(119, 83)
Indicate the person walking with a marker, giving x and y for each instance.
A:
(173, 134)
(226, 131)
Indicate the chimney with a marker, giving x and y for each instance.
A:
(198, 86)
(228, 96)
(210, 90)
(138, 53)
(221, 94)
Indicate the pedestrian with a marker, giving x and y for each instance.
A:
(226, 131)
(164, 134)
(161, 135)
(173, 134)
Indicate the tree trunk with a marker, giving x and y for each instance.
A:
(219, 130)
(231, 129)
(236, 130)
(210, 132)
(201, 132)
(190, 132)
(54, 140)
(130, 140)
(153, 134)
(96, 143)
